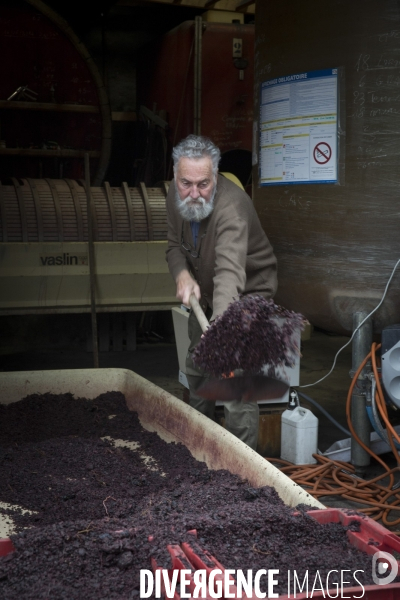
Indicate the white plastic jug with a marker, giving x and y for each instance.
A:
(299, 436)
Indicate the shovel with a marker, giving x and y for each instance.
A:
(239, 386)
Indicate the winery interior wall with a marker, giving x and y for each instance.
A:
(337, 244)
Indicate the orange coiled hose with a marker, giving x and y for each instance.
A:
(337, 478)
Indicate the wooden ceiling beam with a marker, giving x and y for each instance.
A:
(243, 6)
(230, 5)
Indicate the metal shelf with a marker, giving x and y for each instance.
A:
(48, 106)
(63, 152)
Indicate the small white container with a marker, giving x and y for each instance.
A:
(299, 436)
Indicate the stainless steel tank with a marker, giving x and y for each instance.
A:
(337, 244)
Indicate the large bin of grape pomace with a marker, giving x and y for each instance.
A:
(105, 477)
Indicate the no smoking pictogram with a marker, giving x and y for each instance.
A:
(322, 153)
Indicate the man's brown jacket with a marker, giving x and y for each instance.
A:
(232, 254)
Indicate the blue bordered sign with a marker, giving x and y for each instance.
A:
(299, 128)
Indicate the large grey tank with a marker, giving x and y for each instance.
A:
(337, 244)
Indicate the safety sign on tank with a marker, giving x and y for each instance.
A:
(298, 128)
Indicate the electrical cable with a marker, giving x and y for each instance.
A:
(373, 414)
(325, 412)
(337, 478)
(356, 329)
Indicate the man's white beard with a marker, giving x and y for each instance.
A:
(194, 210)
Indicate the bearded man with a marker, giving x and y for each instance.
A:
(217, 250)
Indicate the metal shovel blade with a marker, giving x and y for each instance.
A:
(248, 388)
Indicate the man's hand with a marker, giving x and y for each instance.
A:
(185, 287)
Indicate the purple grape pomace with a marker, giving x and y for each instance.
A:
(251, 333)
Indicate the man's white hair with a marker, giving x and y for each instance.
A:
(197, 146)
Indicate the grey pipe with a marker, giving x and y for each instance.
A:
(92, 272)
(361, 346)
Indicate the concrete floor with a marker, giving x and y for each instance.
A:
(156, 360)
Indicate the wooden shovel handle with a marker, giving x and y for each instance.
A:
(198, 311)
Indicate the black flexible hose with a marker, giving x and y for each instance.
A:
(338, 425)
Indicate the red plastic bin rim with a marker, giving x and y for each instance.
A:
(372, 536)
(6, 546)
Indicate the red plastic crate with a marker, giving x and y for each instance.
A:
(371, 538)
